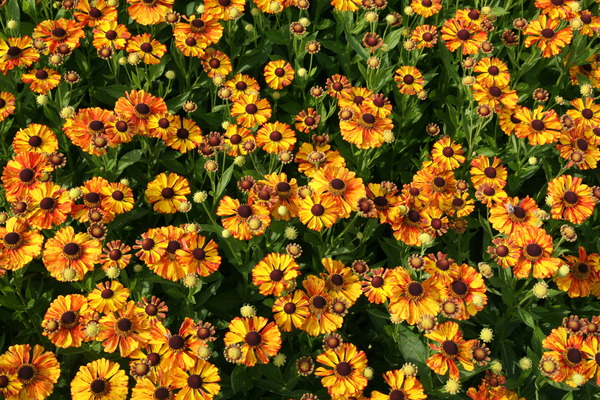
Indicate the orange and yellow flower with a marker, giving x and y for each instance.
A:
(343, 370)
(451, 348)
(100, 379)
(273, 274)
(571, 199)
(69, 256)
(259, 339)
(411, 299)
(544, 31)
(149, 12)
(65, 320)
(166, 193)
(536, 246)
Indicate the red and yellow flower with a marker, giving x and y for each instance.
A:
(69, 256)
(411, 299)
(149, 12)
(278, 74)
(343, 370)
(100, 379)
(584, 270)
(452, 348)
(273, 274)
(65, 320)
(18, 244)
(544, 31)
(401, 386)
(567, 351)
(124, 328)
(167, 192)
(536, 252)
(259, 339)
(571, 199)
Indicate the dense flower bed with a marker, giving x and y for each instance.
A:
(280, 199)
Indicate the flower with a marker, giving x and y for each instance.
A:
(291, 310)
(19, 244)
(273, 273)
(318, 212)
(17, 52)
(571, 199)
(100, 379)
(108, 296)
(198, 382)
(451, 348)
(167, 192)
(537, 247)
(544, 31)
(567, 353)
(402, 386)
(149, 50)
(343, 370)
(10, 383)
(110, 34)
(180, 347)
(276, 137)
(149, 12)
(23, 173)
(138, 106)
(278, 74)
(126, 328)
(61, 35)
(460, 32)
(158, 386)
(64, 320)
(249, 110)
(36, 372)
(409, 80)
(321, 319)
(584, 270)
(538, 126)
(198, 255)
(513, 214)
(259, 339)
(411, 299)
(238, 215)
(70, 250)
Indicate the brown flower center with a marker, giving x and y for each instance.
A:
(343, 368)
(195, 381)
(397, 394)
(275, 136)
(111, 35)
(570, 197)
(154, 359)
(548, 33)
(534, 250)
(459, 288)
(519, 212)
(276, 275)
(124, 325)
(146, 47)
(107, 293)
(414, 216)
(244, 211)
(463, 34)
(251, 109)
(176, 342)
(241, 86)
(26, 175)
(147, 244)
(289, 308)
(427, 37)
(408, 79)
(317, 210)
(377, 282)
(13, 51)
(199, 254)
(309, 121)
(450, 348)
(319, 302)
(191, 42)
(151, 310)
(573, 356)
(3, 381)
(167, 193)
(26, 372)
(253, 338)
(501, 251)
(415, 289)
(142, 109)
(12, 238)
(162, 393)
(58, 33)
(71, 249)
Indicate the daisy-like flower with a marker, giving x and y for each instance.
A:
(505, 252)
(167, 192)
(513, 214)
(108, 296)
(465, 287)
(18, 244)
(7, 104)
(538, 126)
(544, 31)
(291, 310)
(92, 201)
(187, 135)
(338, 86)
(68, 250)
(556, 9)
(237, 216)
(150, 50)
(100, 379)
(250, 111)
(343, 370)
(591, 349)
(149, 12)
(241, 85)
(492, 72)
(36, 372)
(317, 211)
(579, 148)
(180, 347)
(273, 273)
(259, 339)
(340, 184)
(311, 158)
(426, 8)
(199, 255)
(22, 174)
(95, 13)
(17, 52)
(484, 172)
(495, 97)
(110, 34)
(152, 247)
(197, 383)
(536, 246)
(571, 199)
(222, 9)
(58, 33)
(459, 32)
(447, 154)
(117, 198)
(583, 271)
(586, 113)
(10, 383)
(205, 28)
(321, 319)
(86, 129)
(365, 129)
(436, 185)
(411, 299)
(451, 347)
(168, 265)
(65, 319)
(341, 281)
(401, 387)
(154, 310)
(125, 328)
(567, 350)
(378, 285)
(158, 386)
(36, 138)
(276, 137)
(139, 106)
(425, 36)
(216, 62)
(409, 80)
(278, 74)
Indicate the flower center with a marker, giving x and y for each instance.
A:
(582, 144)
(26, 373)
(241, 86)
(147, 244)
(570, 197)
(289, 308)
(13, 51)
(317, 210)
(319, 302)
(118, 195)
(436, 223)
(519, 213)
(377, 282)
(343, 368)
(58, 33)
(167, 193)
(244, 211)
(463, 34)
(587, 113)
(548, 33)
(581, 271)
(573, 356)
(173, 246)
(151, 310)
(194, 381)
(493, 70)
(26, 175)
(98, 386)
(495, 91)
(427, 37)
(199, 254)
(71, 250)
(337, 279)
(501, 251)
(251, 109)
(253, 339)
(533, 251)
(176, 342)
(214, 63)
(183, 133)
(459, 288)
(154, 359)
(146, 47)
(414, 216)
(12, 239)
(107, 293)
(280, 72)
(191, 42)
(3, 381)
(276, 275)
(275, 136)
(408, 79)
(124, 325)
(397, 394)
(142, 109)
(309, 121)
(415, 289)
(337, 185)
(162, 393)
(450, 348)
(69, 319)
(111, 35)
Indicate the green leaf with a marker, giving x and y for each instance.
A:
(128, 159)
(410, 345)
